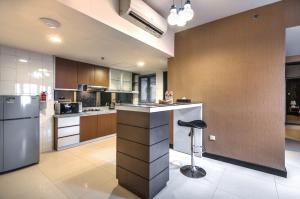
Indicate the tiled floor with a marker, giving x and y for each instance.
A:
(88, 172)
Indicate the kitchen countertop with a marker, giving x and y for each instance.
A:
(151, 108)
(104, 110)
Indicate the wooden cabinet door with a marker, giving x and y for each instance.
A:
(107, 124)
(88, 127)
(86, 73)
(101, 76)
(65, 73)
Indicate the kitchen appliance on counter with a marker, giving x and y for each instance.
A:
(19, 132)
(91, 109)
(67, 107)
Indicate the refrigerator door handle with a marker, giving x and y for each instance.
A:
(21, 118)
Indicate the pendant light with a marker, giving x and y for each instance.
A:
(188, 11)
(173, 16)
(181, 18)
(185, 13)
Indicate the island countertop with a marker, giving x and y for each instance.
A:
(151, 108)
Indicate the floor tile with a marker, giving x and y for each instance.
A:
(79, 183)
(285, 192)
(56, 170)
(247, 186)
(109, 190)
(293, 177)
(188, 188)
(219, 194)
(19, 181)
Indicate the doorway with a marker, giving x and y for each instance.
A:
(292, 68)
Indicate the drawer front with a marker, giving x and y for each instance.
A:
(141, 186)
(67, 131)
(142, 168)
(142, 135)
(143, 152)
(66, 141)
(68, 121)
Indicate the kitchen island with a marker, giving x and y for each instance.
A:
(143, 144)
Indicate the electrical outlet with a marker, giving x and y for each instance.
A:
(212, 138)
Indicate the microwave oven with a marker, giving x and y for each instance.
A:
(67, 107)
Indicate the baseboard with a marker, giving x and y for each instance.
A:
(281, 173)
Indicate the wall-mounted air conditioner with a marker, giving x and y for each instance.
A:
(142, 15)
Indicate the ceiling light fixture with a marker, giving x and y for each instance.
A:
(182, 16)
(140, 64)
(54, 39)
(50, 23)
(23, 60)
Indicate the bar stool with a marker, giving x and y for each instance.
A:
(193, 171)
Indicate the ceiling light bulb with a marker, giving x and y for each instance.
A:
(55, 39)
(173, 17)
(188, 11)
(181, 18)
(23, 60)
(141, 64)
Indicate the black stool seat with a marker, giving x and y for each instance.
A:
(199, 124)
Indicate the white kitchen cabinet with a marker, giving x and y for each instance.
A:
(67, 131)
(120, 80)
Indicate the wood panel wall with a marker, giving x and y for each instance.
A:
(292, 14)
(235, 66)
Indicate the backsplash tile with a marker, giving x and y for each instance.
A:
(30, 78)
(87, 98)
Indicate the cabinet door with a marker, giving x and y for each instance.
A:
(86, 74)
(101, 76)
(88, 127)
(107, 124)
(65, 74)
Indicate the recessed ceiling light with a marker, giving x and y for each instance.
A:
(140, 64)
(55, 39)
(23, 60)
(50, 23)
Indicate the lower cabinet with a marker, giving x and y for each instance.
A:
(67, 132)
(95, 126)
(107, 124)
(88, 127)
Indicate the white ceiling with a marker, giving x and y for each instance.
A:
(208, 10)
(84, 38)
(293, 41)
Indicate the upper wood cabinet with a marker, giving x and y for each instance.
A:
(101, 76)
(69, 74)
(65, 74)
(107, 124)
(86, 73)
(88, 127)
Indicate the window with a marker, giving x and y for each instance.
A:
(147, 89)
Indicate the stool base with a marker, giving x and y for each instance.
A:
(192, 172)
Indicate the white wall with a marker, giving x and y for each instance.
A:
(31, 78)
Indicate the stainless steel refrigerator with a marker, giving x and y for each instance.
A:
(19, 132)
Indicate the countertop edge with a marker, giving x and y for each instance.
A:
(157, 109)
(85, 114)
